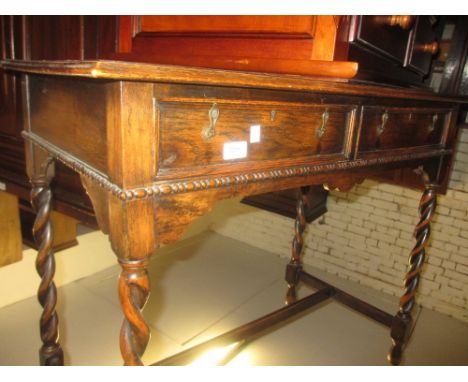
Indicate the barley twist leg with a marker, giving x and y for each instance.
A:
(293, 269)
(402, 321)
(50, 353)
(134, 287)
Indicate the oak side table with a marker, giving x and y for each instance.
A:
(156, 146)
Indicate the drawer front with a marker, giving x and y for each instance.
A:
(195, 134)
(376, 33)
(401, 128)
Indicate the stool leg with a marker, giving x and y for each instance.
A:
(293, 269)
(51, 353)
(402, 321)
(134, 289)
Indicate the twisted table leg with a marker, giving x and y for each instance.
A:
(50, 353)
(134, 287)
(402, 321)
(293, 269)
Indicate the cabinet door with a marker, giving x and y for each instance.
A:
(381, 35)
(422, 47)
(299, 25)
(274, 44)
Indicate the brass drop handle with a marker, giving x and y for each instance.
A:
(405, 22)
(383, 123)
(432, 125)
(431, 48)
(323, 127)
(210, 131)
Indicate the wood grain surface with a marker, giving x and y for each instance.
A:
(180, 74)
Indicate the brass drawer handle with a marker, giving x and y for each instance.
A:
(432, 125)
(323, 127)
(381, 127)
(210, 131)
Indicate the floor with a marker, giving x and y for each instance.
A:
(208, 284)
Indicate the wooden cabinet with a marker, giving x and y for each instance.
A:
(393, 49)
(380, 34)
(422, 46)
(277, 44)
(447, 74)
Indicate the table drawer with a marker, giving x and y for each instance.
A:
(194, 134)
(401, 128)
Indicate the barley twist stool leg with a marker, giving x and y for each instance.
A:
(293, 269)
(50, 353)
(402, 321)
(134, 287)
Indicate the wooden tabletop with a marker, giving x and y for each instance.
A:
(121, 70)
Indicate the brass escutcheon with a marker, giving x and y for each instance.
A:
(321, 130)
(432, 125)
(381, 127)
(210, 131)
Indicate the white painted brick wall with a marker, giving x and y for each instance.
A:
(367, 235)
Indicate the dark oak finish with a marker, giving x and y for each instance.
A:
(65, 231)
(147, 183)
(402, 321)
(294, 268)
(41, 173)
(37, 37)
(312, 45)
(116, 70)
(148, 140)
(391, 49)
(395, 128)
(449, 63)
(91, 113)
(422, 47)
(349, 300)
(386, 37)
(133, 292)
(182, 143)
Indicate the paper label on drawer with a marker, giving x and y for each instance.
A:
(2, 186)
(235, 150)
(255, 133)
